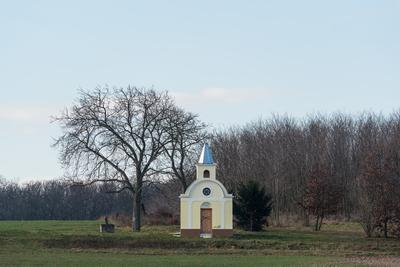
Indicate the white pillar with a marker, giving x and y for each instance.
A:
(223, 214)
(190, 214)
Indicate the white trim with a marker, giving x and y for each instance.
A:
(190, 213)
(193, 185)
(207, 199)
(205, 205)
(223, 214)
(204, 164)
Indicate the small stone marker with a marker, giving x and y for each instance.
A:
(107, 227)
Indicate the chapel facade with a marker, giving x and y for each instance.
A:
(206, 206)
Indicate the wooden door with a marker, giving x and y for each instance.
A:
(206, 221)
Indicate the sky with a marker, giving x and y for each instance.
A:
(229, 61)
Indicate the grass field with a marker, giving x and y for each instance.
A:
(79, 243)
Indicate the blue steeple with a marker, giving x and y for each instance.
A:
(206, 155)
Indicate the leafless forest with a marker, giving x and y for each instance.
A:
(339, 166)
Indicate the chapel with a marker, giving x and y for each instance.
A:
(206, 206)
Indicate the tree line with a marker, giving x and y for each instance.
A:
(58, 200)
(139, 140)
(337, 165)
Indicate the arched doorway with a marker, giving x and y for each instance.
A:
(206, 219)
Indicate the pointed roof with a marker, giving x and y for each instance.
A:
(206, 155)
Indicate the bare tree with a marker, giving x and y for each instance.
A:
(116, 136)
(187, 134)
(322, 196)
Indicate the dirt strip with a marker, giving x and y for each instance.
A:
(387, 261)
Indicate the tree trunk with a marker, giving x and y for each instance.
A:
(306, 218)
(316, 224)
(184, 184)
(385, 230)
(320, 222)
(136, 216)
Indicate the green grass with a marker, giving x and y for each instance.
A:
(91, 259)
(79, 243)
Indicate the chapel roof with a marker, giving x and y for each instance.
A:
(206, 155)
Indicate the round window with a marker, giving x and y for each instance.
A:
(206, 191)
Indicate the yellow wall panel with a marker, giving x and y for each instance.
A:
(228, 214)
(184, 214)
(196, 214)
(216, 215)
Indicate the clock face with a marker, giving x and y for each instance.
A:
(206, 191)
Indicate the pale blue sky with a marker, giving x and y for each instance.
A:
(228, 61)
